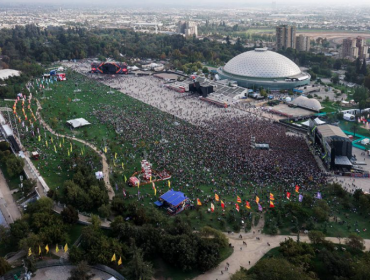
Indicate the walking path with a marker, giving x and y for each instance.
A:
(102, 155)
(8, 206)
(248, 255)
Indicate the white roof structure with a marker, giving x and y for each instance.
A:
(308, 103)
(261, 63)
(78, 122)
(6, 73)
(99, 175)
(318, 121)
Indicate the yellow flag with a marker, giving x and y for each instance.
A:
(51, 140)
(60, 144)
(123, 166)
(46, 142)
(68, 151)
(150, 179)
(120, 261)
(113, 258)
(47, 248)
(29, 252)
(71, 145)
(125, 179)
(39, 250)
(39, 138)
(55, 148)
(63, 140)
(105, 149)
(155, 191)
(65, 248)
(169, 183)
(57, 248)
(115, 156)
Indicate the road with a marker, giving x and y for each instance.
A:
(8, 206)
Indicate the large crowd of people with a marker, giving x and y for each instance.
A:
(215, 147)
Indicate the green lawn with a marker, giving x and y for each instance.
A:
(74, 232)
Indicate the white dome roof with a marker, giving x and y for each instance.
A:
(261, 63)
(308, 103)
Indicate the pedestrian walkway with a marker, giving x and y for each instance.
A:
(8, 206)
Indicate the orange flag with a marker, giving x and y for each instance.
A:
(222, 205)
(297, 189)
(198, 202)
(271, 204)
(217, 198)
(257, 199)
(247, 205)
(272, 196)
(238, 199)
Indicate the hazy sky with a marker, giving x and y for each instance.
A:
(193, 3)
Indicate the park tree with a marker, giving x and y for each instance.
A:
(277, 269)
(360, 94)
(14, 166)
(69, 215)
(297, 253)
(4, 266)
(80, 272)
(29, 185)
(4, 146)
(316, 237)
(137, 268)
(19, 229)
(355, 241)
(104, 211)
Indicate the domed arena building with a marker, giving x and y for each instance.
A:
(264, 68)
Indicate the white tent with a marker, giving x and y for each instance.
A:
(306, 123)
(318, 121)
(78, 122)
(99, 175)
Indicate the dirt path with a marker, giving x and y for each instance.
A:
(102, 155)
(248, 255)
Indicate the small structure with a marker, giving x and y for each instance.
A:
(175, 202)
(99, 175)
(78, 122)
(307, 103)
(365, 141)
(349, 117)
(35, 155)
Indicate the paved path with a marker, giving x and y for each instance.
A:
(252, 252)
(7, 204)
(102, 155)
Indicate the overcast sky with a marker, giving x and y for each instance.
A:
(229, 3)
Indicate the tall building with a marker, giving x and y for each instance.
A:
(355, 48)
(362, 48)
(285, 37)
(187, 28)
(303, 43)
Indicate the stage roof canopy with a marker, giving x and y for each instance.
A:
(328, 130)
(78, 122)
(173, 197)
(342, 160)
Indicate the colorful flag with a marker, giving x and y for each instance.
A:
(297, 189)
(272, 196)
(217, 198)
(247, 205)
(257, 199)
(212, 207)
(29, 251)
(125, 178)
(155, 190)
(56, 248)
(47, 248)
(113, 258)
(39, 138)
(119, 261)
(237, 207)
(288, 195)
(39, 250)
(259, 207)
(271, 204)
(300, 198)
(65, 248)
(238, 199)
(318, 196)
(222, 205)
(105, 149)
(169, 184)
(198, 202)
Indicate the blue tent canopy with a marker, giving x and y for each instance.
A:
(174, 198)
